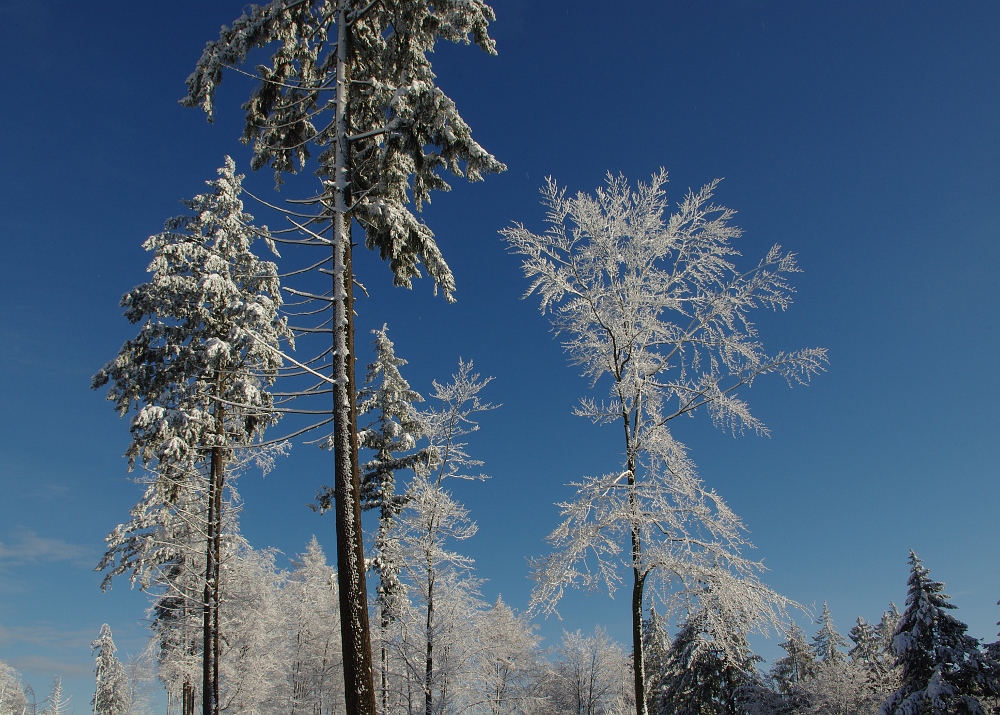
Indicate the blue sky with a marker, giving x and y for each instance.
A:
(861, 135)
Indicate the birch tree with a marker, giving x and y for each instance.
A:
(589, 675)
(655, 308)
(196, 375)
(506, 661)
(351, 79)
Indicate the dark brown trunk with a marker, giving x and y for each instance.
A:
(385, 664)
(213, 552)
(638, 584)
(217, 580)
(355, 632)
(187, 699)
(350, 548)
(429, 663)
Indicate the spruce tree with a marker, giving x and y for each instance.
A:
(111, 695)
(827, 642)
(197, 375)
(392, 435)
(655, 647)
(798, 664)
(943, 670)
(704, 670)
(866, 643)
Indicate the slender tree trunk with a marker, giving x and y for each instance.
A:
(355, 633)
(385, 664)
(220, 480)
(208, 596)
(213, 552)
(429, 657)
(638, 584)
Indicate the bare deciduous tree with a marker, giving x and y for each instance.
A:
(654, 307)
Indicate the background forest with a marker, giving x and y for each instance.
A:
(861, 139)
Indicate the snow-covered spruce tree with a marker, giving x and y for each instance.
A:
(827, 643)
(943, 669)
(872, 650)
(12, 698)
(352, 78)
(111, 694)
(656, 306)
(797, 665)
(392, 436)
(656, 643)
(702, 672)
(197, 375)
(866, 643)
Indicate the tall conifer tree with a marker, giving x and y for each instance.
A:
(197, 376)
(352, 78)
(392, 435)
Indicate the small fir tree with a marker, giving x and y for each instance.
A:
(112, 694)
(798, 664)
(943, 670)
(827, 643)
(392, 435)
(655, 647)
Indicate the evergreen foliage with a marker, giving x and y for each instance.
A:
(798, 663)
(112, 694)
(352, 78)
(701, 675)
(827, 643)
(197, 375)
(942, 668)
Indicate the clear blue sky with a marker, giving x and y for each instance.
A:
(862, 135)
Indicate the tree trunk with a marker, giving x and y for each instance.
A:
(638, 584)
(355, 633)
(429, 658)
(213, 552)
(385, 665)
